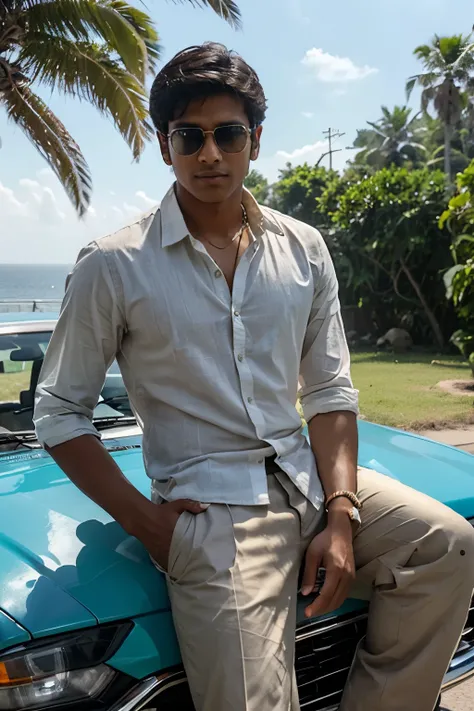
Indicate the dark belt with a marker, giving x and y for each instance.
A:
(271, 467)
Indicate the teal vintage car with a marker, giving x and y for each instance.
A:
(85, 620)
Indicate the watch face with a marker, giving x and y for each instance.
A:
(355, 515)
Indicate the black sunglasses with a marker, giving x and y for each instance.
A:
(230, 139)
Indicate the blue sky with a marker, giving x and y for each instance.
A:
(321, 64)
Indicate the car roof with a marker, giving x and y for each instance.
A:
(39, 325)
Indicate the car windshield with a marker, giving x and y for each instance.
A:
(21, 357)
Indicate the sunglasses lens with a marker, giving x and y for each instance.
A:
(187, 141)
(231, 139)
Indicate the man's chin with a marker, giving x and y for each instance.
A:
(212, 193)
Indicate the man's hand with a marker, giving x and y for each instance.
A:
(333, 550)
(155, 526)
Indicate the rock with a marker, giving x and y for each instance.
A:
(351, 337)
(367, 339)
(396, 338)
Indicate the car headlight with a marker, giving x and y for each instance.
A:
(60, 670)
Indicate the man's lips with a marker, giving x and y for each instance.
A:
(211, 176)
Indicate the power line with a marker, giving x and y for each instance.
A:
(331, 133)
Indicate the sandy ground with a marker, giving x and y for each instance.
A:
(461, 698)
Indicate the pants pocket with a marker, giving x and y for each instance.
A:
(175, 551)
(181, 546)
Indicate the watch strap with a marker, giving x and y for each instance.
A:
(346, 495)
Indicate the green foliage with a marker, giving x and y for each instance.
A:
(395, 139)
(459, 279)
(385, 229)
(258, 186)
(297, 190)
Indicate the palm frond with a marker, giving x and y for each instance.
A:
(412, 146)
(423, 51)
(145, 28)
(428, 95)
(410, 85)
(86, 71)
(465, 58)
(53, 142)
(84, 19)
(227, 9)
(375, 127)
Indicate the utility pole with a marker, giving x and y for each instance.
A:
(332, 133)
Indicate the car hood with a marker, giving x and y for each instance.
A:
(444, 473)
(65, 564)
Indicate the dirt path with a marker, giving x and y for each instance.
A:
(461, 698)
(461, 438)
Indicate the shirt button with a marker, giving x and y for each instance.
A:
(240, 357)
(250, 399)
(217, 273)
(236, 314)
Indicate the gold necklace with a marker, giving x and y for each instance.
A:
(238, 234)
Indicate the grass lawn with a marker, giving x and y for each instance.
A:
(12, 383)
(400, 390)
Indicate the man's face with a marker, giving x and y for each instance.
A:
(211, 175)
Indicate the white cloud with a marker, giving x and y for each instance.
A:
(151, 202)
(132, 210)
(307, 114)
(270, 166)
(46, 227)
(10, 204)
(332, 68)
(300, 153)
(41, 201)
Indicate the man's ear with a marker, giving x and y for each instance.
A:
(256, 134)
(164, 147)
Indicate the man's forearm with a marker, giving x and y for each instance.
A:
(91, 468)
(334, 442)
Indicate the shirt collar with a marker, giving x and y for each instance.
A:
(174, 228)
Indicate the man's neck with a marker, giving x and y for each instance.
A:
(206, 219)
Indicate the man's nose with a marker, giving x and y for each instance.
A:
(210, 152)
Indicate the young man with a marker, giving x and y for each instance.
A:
(214, 308)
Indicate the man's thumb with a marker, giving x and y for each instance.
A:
(194, 507)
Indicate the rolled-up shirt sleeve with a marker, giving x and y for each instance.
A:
(325, 363)
(83, 346)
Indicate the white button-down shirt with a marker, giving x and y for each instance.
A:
(212, 376)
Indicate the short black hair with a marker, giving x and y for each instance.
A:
(199, 72)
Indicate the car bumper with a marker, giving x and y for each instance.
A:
(324, 653)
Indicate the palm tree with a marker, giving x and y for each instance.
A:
(393, 139)
(96, 50)
(446, 83)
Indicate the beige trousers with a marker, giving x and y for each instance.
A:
(232, 579)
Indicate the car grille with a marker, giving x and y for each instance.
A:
(467, 640)
(324, 654)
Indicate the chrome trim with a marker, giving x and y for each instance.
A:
(147, 690)
(460, 669)
(301, 634)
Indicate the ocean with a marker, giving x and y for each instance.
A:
(33, 281)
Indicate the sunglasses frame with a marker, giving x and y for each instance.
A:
(249, 132)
